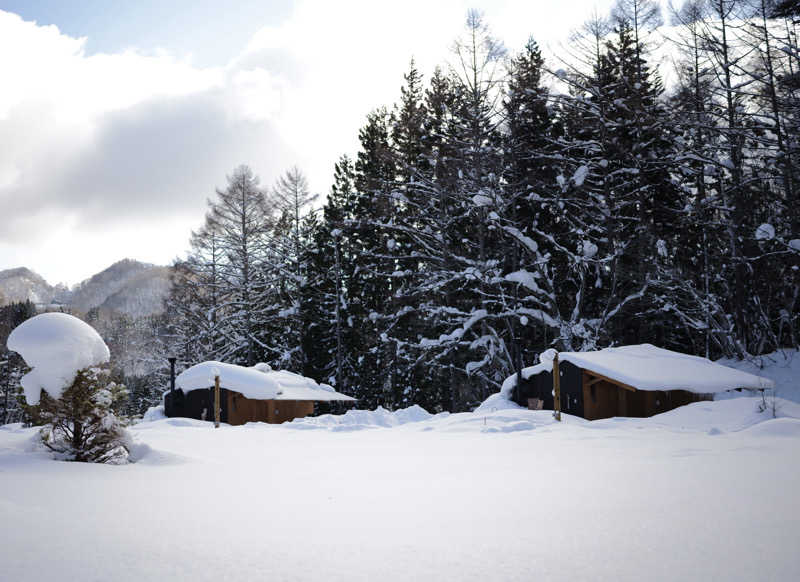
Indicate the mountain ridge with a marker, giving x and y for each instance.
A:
(127, 286)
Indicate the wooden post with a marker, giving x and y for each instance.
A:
(216, 401)
(556, 389)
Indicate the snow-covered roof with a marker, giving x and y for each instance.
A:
(56, 346)
(646, 367)
(296, 387)
(258, 382)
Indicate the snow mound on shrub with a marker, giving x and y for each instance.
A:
(56, 346)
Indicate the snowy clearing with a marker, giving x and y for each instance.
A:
(705, 492)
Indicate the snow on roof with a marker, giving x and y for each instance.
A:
(296, 387)
(249, 381)
(56, 346)
(258, 382)
(646, 367)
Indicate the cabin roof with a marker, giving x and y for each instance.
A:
(647, 367)
(258, 383)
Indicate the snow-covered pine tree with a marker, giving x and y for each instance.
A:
(197, 296)
(334, 267)
(224, 298)
(289, 243)
(529, 172)
(592, 269)
(83, 424)
(775, 167)
(12, 367)
(374, 209)
(453, 246)
(640, 157)
(688, 284)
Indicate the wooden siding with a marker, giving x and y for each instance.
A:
(242, 410)
(235, 408)
(603, 398)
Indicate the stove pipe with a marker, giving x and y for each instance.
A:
(171, 374)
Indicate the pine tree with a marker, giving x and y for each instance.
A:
(82, 425)
(528, 174)
(12, 367)
(291, 238)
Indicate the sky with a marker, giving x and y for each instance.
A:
(119, 120)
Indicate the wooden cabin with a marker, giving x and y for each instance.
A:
(256, 394)
(634, 381)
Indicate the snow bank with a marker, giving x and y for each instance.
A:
(258, 382)
(365, 419)
(56, 346)
(711, 417)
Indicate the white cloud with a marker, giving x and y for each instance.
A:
(113, 155)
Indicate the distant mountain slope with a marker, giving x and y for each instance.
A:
(94, 291)
(127, 286)
(143, 293)
(22, 284)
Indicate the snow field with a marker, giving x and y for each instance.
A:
(503, 495)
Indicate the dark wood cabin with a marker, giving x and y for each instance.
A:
(235, 408)
(256, 394)
(593, 396)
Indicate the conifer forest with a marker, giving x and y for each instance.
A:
(508, 204)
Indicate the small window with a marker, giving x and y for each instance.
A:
(593, 392)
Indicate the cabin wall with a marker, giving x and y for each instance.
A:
(198, 404)
(602, 399)
(540, 387)
(244, 410)
(235, 408)
(605, 399)
(286, 410)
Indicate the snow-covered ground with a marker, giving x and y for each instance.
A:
(707, 492)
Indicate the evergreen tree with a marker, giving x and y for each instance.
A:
(12, 367)
(82, 425)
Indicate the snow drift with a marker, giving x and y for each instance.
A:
(364, 419)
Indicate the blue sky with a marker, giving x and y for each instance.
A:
(211, 31)
(124, 116)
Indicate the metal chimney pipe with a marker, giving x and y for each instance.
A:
(172, 373)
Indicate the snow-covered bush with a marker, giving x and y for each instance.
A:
(68, 391)
(81, 425)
